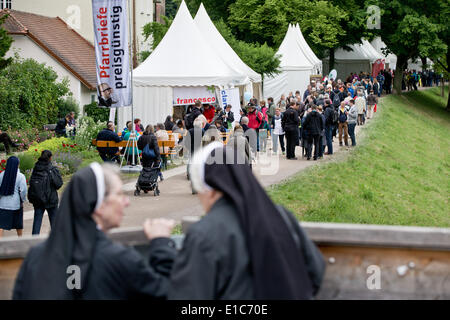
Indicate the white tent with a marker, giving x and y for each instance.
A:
(360, 58)
(391, 59)
(308, 51)
(417, 64)
(224, 50)
(183, 58)
(295, 65)
(215, 39)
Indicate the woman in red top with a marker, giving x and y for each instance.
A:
(209, 112)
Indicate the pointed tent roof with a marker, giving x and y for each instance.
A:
(379, 44)
(292, 56)
(305, 47)
(185, 58)
(213, 36)
(360, 51)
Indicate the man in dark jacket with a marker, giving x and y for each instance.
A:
(108, 134)
(60, 128)
(329, 113)
(44, 183)
(227, 117)
(290, 124)
(190, 117)
(314, 126)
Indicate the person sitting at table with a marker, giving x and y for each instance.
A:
(108, 154)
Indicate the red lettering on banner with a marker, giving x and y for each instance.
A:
(104, 42)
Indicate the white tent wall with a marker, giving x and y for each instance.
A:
(345, 67)
(151, 104)
(287, 81)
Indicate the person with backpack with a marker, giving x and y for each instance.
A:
(190, 117)
(342, 124)
(352, 117)
(313, 125)
(290, 123)
(45, 182)
(13, 192)
(148, 144)
(255, 120)
(329, 124)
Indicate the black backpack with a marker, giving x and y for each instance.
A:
(39, 191)
(336, 100)
(335, 115)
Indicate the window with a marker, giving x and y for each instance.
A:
(5, 4)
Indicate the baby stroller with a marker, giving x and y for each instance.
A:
(148, 180)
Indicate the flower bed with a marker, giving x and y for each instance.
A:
(26, 137)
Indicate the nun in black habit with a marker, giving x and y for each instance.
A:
(92, 204)
(245, 247)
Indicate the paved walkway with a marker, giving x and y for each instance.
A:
(176, 199)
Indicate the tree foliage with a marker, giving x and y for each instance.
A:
(260, 57)
(29, 94)
(413, 29)
(5, 44)
(95, 112)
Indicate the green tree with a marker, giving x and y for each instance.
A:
(5, 44)
(95, 112)
(260, 58)
(156, 32)
(217, 9)
(326, 25)
(29, 94)
(410, 29)
(67, 105)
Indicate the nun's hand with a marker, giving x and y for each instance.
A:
(158, 228)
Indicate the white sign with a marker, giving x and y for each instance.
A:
(111, 52)
(112, 114)
(188, 95)
(231, 96)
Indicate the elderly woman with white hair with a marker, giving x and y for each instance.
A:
(245, 247)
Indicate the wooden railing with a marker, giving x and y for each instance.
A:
(413, 262)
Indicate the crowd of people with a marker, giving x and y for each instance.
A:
(426, 78)
(203, 269)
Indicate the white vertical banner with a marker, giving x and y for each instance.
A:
(231, 96)
(112, 52)
(112, 114)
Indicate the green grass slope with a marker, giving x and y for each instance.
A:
(397, 175)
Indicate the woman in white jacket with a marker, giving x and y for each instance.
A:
(13, 192)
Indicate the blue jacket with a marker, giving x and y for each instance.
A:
(12, 202)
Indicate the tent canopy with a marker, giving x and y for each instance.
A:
(221, 46)
(307, 50)
(379, 45)
(360, 51)
(292, 55)
(185, 58)
(296, 64)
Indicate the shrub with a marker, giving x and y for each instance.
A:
(29, 92)
(95, 112)
(67, 161)
(87, 130)
(26, 165)
(54, 145)
(66, 106)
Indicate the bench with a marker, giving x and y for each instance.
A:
(50, 127)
